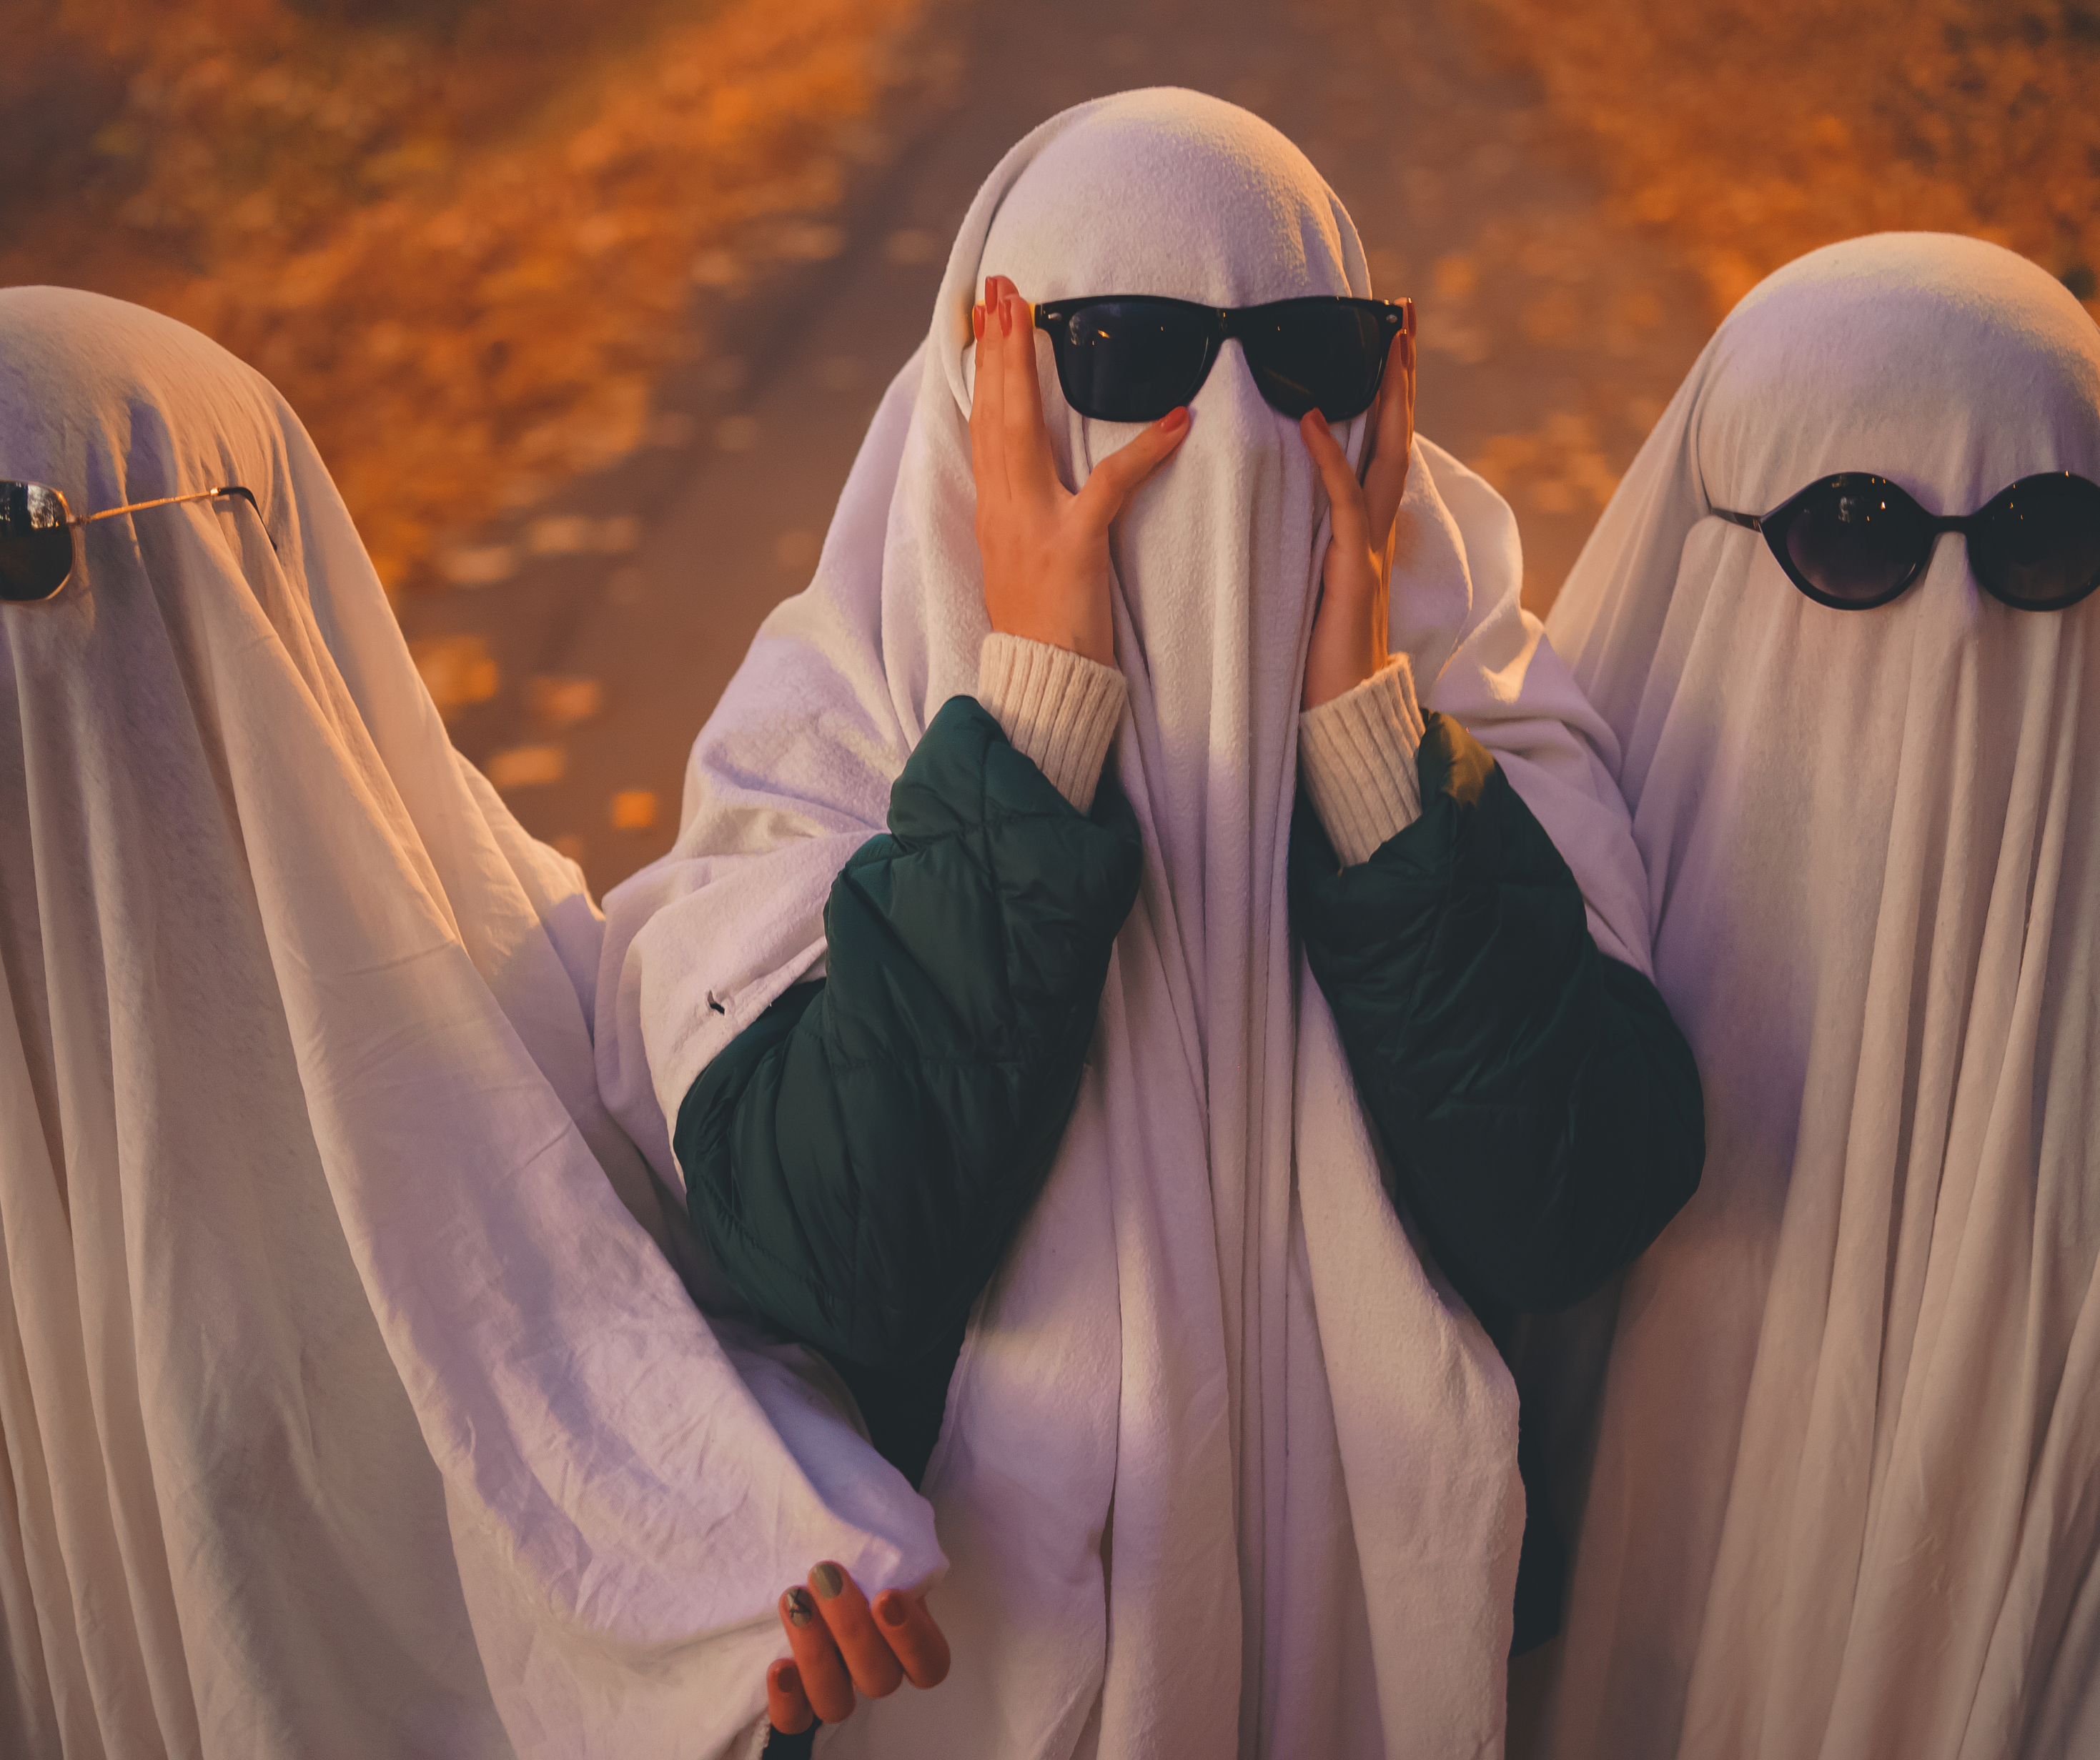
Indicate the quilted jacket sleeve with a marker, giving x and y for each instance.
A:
(858, 1159)
(1540, 1111)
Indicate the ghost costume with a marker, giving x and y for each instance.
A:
(347, 1410)
(1846, 1493)
(1224, 1468)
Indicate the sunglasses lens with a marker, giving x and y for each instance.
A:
(36, 544)
(1856, 544)
(1131, 360)
(1324, 354)
(2038, 544)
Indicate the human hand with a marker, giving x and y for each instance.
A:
(1045, 550)
(1349, 629)
(841, 1645)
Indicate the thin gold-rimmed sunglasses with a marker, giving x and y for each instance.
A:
(40, 534)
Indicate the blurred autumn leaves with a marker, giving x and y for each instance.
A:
(1752, 131)
(463, 235)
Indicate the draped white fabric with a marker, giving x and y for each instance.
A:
(346, 1409)
(1847, 1474)
(1224, 1470)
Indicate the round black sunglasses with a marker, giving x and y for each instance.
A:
(40, 535)
(1855, 541)
(1133, 357)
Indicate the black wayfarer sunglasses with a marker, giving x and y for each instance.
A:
(1855, 541)
(39, 534)
(1133, 357)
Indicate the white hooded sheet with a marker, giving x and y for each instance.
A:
(346, 1410)
(1212, 1394)
(1846, 1493)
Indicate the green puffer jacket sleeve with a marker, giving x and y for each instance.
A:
(858, 1159)
(1540, 1111)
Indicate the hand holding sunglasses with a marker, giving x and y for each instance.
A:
(1129, 358)
(1355, 618)
(1045, 550)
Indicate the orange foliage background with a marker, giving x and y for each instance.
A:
(461, 235)
(1753, 131)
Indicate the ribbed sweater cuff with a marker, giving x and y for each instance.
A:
(1057, 707)
(1357, 753)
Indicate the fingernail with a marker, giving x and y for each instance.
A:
(829, 1580)
(890, 1609)
(800, 1608)
(1173, 418)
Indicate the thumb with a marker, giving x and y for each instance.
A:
(1116, 478)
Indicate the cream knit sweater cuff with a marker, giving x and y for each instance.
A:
(1357, 754)
(1057, 707)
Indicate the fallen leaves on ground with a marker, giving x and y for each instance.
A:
(562, 703)
(634, 810)
(1753, 131)
(457, 671)
(526, 766)
(461, 238)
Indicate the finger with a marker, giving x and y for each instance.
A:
(979, 420)
(1113, 481)
(1029, 464)
(873, 1665)
(1345, 495)
(919, 1644)
(1371, 428)
(1385, 482)
(989, 403)
(817, 1660)
(787, 1706)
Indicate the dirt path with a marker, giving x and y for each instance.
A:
(1551, 343)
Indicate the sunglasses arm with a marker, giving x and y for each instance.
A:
(172, 500)
(1748, 521)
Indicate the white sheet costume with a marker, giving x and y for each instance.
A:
(346, 1411)
(1846, 1499)
(1223, 1472)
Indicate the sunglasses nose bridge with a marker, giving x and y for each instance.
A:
(1948, 567)
(1230, 367)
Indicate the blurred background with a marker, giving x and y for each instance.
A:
(587, 306)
